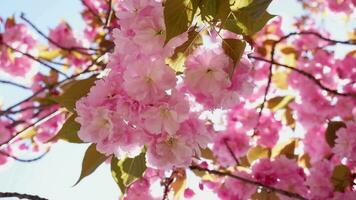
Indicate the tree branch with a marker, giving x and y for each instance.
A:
(252, 182)
(272, 62)
(14, 84)
(231, 152)
(93, 12)
(307, 75)
(25, 160)
(20, 196)
(73, 48)
(35, 59)
(109, 15)
(95, 61)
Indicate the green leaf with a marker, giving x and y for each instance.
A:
(234, 49)
(286, 149)
(135, 166)
(69, 131)
(91, 161)
(181, 52)
(74, 92)
(116, 173)
(253, 17)
(341, 178)
(178, 16)
(330, 134)
(207, 154)
(128, 170)
(279, 102)
(257, 152)
(208, 9)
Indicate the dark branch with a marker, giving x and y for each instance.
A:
(35, 59)
(14, 84)
(109, 15)
(231, 152)
(80, 50)
(25, 160)
(272, 62)
(252, 182)
(27, 127)
(93, 12)
(307, 75)
(20, 196)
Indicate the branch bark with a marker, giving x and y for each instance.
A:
(20, 196)
(252, 182)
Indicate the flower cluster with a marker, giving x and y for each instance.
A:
(16, 36)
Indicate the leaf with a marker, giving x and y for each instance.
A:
(179, 185)
(69, 131)
(116, 173)
(49, 54)
(74, 92)
(252, 18)
(135, 166)
(288, 118)
(178, 16)
(280, 79)
(304, 161)
(177, 60)
(128, 170)
(91, 161)
(207, 154)
(264, 195)
(208, 9)
(286, 149)
(234, 49)
(257, 153)
(279, 102)
(330, 134)
(341, 178)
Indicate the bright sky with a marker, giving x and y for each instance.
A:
(53, 176)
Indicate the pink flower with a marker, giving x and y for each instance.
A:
(205, 74)
(319, 180)
(345, 143)
(148, 81)
(188, 193)
(63, 36)
(140, 189)
(237, 142)
(282, 173)
(16, 36)
(315, 144)
(242, 118)
(223, 187)
(167, 116)
(169, 152)
(268, 130)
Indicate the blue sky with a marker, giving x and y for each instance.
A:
(54, 175)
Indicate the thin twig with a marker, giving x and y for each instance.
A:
(35, 59)
(272, 62)
(14, 84)
(52, 86)
(109, 15)
(39, 121)
(20, 196)
(92, 12)
(307, 75)
(231, 152)
(25, 160)
(252, 182)
(73, 48)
